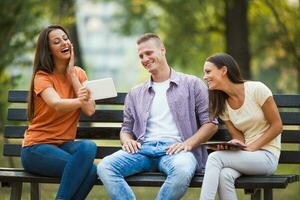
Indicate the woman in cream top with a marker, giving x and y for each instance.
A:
(252, 119)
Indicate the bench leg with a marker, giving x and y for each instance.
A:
(16, 191)
(34, 191)
(268, 194)
(256, 195)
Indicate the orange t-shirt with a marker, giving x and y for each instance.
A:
(48, 125)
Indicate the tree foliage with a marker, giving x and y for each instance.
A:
(181, 25)
(20, 23)
(276, 43)
(192, 30)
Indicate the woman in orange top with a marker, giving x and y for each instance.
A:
(56, 98)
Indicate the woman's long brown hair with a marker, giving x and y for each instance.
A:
(217, 98)
(42, 61)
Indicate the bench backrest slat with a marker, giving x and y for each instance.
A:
(282, 100)
(287, 157)
(288, 136)
(20, 96)
(19, 114)
(287, 100)
(107, 133)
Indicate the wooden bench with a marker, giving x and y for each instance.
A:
(105, 125)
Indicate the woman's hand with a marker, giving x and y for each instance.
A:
(236, 141)
(228, 147)
(251, 147)
(83, 94)
(71, 68)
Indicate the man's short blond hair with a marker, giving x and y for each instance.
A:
(147, 36)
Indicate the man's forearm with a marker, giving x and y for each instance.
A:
(124, 136)
(204, 133)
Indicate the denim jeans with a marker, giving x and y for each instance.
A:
(223, 167)
(72, 162)
(179, 169)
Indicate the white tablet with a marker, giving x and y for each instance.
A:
(101, 88)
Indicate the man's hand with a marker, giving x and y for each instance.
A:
(131, 146)
(176, 148)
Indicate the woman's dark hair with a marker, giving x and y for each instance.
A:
(42, 61)
(217, 97)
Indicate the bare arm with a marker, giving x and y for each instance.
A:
(273, 118)
(128, 141)
(88, 106)
(234, 133)
(204, 133)
(51, 97)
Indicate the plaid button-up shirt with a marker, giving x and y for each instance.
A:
(187, 97)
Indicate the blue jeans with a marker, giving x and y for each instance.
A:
(72, 162)
(179, 169)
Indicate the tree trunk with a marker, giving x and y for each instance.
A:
(237, 44)
(298, 82)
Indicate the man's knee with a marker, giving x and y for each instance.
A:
(111, 165)
(183, 169)
(104, 167)
(184, 173)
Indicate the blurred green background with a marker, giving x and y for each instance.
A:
(262, 35)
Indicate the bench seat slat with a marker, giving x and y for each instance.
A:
(156, 179)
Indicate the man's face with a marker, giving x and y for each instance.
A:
(151, 54)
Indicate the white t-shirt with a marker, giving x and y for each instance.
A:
(250, 119)
(160, 123)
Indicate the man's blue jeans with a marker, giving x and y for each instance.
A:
(179, 169)
(72, 161)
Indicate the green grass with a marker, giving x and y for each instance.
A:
(48, 191)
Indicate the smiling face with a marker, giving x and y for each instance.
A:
(213, 75)
(59, 44)
(151, 54)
